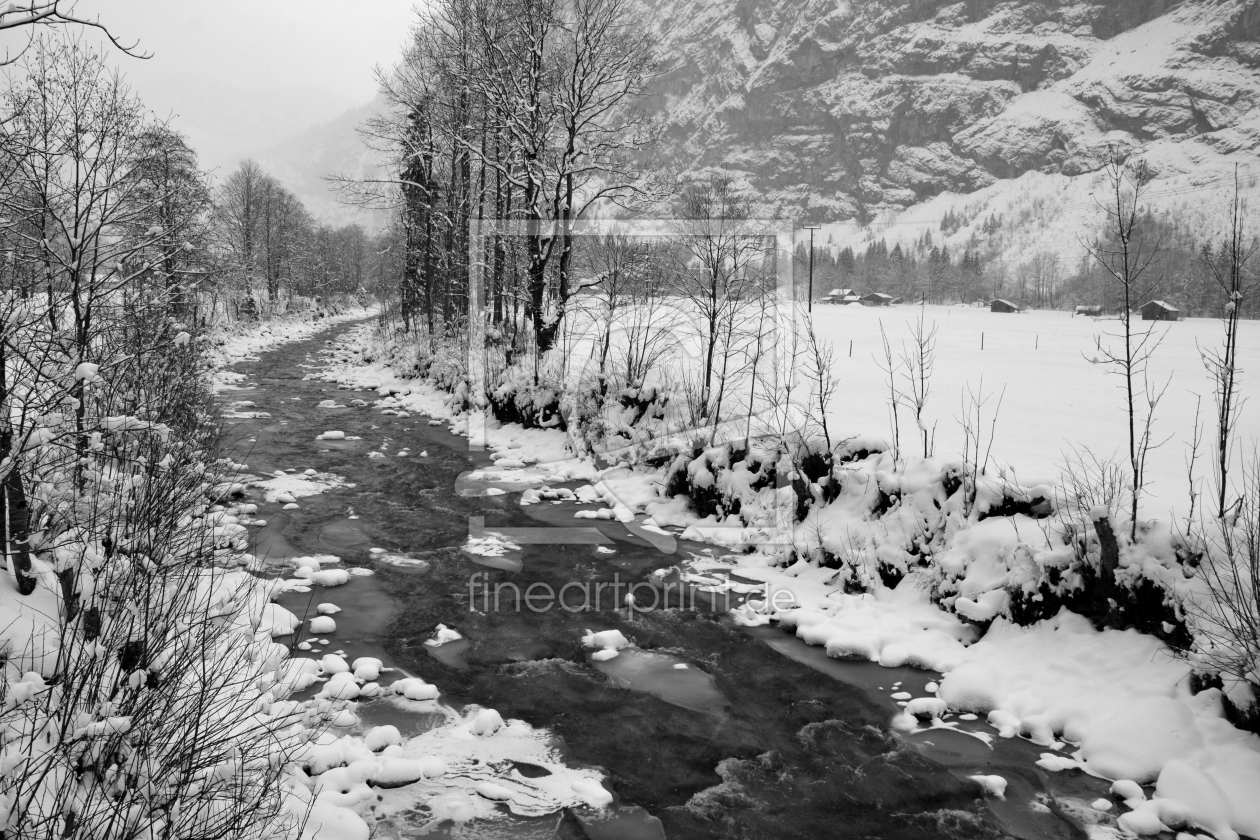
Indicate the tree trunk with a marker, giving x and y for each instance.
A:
(14, 511)
(1108, 561)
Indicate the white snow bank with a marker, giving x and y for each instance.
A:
(30, 635)
(1125, 699)
(243, 342)
(892, 627)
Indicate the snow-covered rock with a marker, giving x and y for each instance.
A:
(322, 625)
(605, 640)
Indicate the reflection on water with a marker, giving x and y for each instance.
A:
(668, 677)
(269, 541)
(346, 534)
(505, 562)
(618, 822)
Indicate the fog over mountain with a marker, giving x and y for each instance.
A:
(303, 161)
(229, 122)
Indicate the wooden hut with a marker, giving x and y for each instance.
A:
(1000, 305)
(840, 296)
(876, 299)
(1158, 310)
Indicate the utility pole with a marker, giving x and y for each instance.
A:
(811, 229)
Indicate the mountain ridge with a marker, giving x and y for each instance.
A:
(305, 160)
(862, 110)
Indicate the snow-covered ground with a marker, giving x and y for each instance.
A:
(1056, 398)
(1115, 704)
(244, 341)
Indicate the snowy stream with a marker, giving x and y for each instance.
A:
(801, 742)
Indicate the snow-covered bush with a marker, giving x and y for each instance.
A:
(1227, 621)
(515, 398)
(138, 666)
(987, 546)
(138, 676)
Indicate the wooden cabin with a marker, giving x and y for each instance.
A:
(1158, 310)
(840, 296)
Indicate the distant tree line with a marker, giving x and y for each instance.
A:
(927, 271)
(241, 248)
(1183, 270)
(265, 246)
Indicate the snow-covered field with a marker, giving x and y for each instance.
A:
(1055, 398)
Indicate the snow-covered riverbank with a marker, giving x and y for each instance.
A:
(1114, 703)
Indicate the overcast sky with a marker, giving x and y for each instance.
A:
(239, 76)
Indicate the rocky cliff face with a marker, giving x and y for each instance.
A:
(835, 110)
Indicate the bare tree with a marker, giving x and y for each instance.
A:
(524, 110)
(173, 201)
(720, 281)
(891, 366)
(977, 440)
(1126, 259)
(238, 212)
(132, 699)
(615, 266)
(917, 363)
(1228, 620)
(823, 383)
(1231, 274)
(563, 99)
(77, 206)
(35, 14)
(285, 229)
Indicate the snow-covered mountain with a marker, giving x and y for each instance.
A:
(891, 114)
(861, 109)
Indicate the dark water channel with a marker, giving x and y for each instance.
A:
(707, 730)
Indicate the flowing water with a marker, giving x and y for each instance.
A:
(706, 729)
